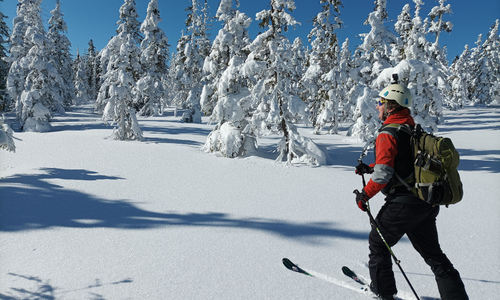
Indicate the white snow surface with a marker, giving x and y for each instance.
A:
(83, 216)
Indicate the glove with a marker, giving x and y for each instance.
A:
(363, 168)
(361, 199)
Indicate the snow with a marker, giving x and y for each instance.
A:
(87, 217)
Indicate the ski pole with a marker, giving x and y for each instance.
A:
(375, 225)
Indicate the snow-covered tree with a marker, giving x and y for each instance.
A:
(437, 24)
(437, 55)
(459, 80)
(225, 94)
(60, 52)
(122, 69)
(299, 65)
(121, 89)
(486, 71)
(186, 71)
(346, 66)
(151, 92)
(403, 28)
(19, 47)
(93, 67)
(268, 68)
(340, 83)
(33, 81)
(473, 64)
(4, 66)
(177, 82)
(6, 136)
(371, 58)
(230, 41)
(321, 77)
(81, 81)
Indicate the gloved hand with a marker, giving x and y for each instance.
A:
(363, 168)
(361, 199)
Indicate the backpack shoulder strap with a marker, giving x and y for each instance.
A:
(393, 129)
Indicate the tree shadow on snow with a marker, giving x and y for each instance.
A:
(44, 290)
(487, 161)
(32, 202)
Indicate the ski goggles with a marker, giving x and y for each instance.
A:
(382, 101)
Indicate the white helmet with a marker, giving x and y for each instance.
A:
(398, 93)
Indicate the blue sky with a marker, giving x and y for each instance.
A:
(96, 19)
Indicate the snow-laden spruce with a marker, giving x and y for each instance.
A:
(94, 70)
(33, 81)
(4, 65)
(371, 58)
(60, 53)
(225, 94)
(186, 70)
(121, 60)
(274, 107)
(323, 88)
(81, 80)
(151, 92)
(485, 86)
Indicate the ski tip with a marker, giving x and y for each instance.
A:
(348, 272)
(288, 263)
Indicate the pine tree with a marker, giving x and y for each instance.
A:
(459, 80)
(345, 65)
(403, 28)
(19, 47)
(60, 52)
(33, 81)
(81, 81)
(419, 69)
(487, 71)
(186, 76)
(151, 92)
(322, 57)
(321, 77)
(437, 57)
(225, 94)
(122, 69)
(230, 41)
(4, 65)
(437, 23)
(178, 80)
(474, 67)
(298, 60)
(93, 67)
(276, 107)
(371, 58)
(121, 89)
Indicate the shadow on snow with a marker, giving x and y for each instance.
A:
(31, 202)
(45, 290)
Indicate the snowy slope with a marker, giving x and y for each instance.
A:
(86, 217)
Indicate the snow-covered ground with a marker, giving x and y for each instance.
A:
(86, 217)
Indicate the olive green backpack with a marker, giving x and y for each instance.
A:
(436, 179)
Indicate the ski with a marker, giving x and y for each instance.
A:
(295, 268)
(349, 273)
(363, 288)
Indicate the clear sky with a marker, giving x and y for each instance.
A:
(96, 19)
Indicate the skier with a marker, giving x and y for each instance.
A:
(403, 212)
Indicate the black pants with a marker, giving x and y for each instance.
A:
(418, 222)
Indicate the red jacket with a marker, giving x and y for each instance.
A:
(386, 149)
